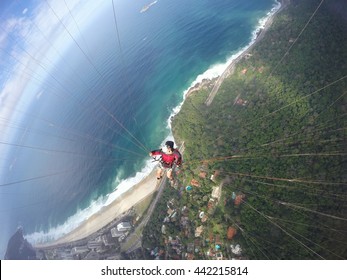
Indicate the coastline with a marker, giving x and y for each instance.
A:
(109, 213)
(148, 185)
(259, 34)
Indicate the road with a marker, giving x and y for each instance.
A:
(138, 238)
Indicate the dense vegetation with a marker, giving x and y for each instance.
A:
(276, 131)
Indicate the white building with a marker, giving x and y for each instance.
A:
(237, 250)
(79, 250)
(216, 192)
(123, 226)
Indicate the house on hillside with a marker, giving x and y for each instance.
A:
(204, 218)
(215, 175)
(198, 231)
(210, 205)
(203, 174)
(239, 199)
(171, 203)
(195, 183)
(216, 192)
(231, 233)
(241, 102)
(236, 249)
(170, 211)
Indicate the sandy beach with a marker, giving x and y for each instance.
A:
(121, 204)
(149, 184)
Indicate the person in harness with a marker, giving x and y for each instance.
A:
(168, 158)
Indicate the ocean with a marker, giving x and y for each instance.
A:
(83, 132)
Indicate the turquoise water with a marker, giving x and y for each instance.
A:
(103, 109)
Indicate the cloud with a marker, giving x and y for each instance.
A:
(32, 36)
(3, 40)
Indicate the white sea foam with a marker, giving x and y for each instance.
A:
(74, 221)
(217, 69)
(121, 186)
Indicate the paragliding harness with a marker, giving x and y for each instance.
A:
(164, 164)
(158, 159)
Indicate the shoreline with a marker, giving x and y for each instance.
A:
(148, 185)
(109, 213)
(229, 70)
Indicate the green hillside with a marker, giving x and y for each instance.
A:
(276, 133)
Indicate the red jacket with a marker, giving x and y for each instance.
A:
(169, 159)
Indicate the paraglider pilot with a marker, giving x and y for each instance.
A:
(168, 158)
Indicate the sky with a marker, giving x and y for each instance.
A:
(34, 35)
